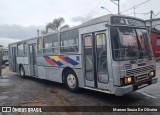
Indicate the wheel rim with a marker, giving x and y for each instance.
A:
(71, 81)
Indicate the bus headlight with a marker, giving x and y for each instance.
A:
(152, 74)
(127, 80)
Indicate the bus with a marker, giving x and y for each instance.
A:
(110, 54)
(4, 54)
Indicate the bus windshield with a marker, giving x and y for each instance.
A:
(130, 43)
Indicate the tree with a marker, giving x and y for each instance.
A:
(56, 25)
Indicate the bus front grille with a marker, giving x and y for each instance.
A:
(142, 77)
(140, 71)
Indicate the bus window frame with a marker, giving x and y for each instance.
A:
(52, 43)
(69, 46)
(39, 48)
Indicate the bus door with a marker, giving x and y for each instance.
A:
(32, 59)
(95, 60)
(13, 59)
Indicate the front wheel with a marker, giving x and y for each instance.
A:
(71, 81)
(22, 71)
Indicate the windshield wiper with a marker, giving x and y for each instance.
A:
(134, 60)
(146, 53)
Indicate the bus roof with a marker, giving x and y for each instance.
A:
(105, 18)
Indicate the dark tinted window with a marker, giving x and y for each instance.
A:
(127, 21)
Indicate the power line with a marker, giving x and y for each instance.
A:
(137, 13)
(157, 14)
(104, 5)
(135, 6)
(96, 10)
(143, 13)
(100, 10)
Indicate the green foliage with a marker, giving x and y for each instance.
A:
(55, 25)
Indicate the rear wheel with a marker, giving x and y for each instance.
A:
(71, 81)
(22, 71)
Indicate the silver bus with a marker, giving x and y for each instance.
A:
(4, 54)
(110, 54)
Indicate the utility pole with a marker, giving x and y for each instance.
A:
(38, 32)
(151, 19)
(134, 10)
(117, 4)
(151, 16)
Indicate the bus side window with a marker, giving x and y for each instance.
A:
(47, 44)
(39, 46)
(25, 49)
(69, 41)
(50, 44)
(20, 49)
(55, 43)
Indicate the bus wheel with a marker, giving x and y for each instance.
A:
(21, 71)
(71, 81)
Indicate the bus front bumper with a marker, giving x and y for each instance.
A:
(119, 91)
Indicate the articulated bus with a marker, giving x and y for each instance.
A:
(110, 54)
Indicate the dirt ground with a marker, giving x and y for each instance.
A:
(17, 91)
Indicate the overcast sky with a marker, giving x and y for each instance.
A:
(20, 19)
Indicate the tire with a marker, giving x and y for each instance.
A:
(22, 72)
(71, 81)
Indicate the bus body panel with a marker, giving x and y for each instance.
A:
(93, 62)
(22, 60)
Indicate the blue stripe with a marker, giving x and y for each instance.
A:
(57, 62)
(71, 61)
